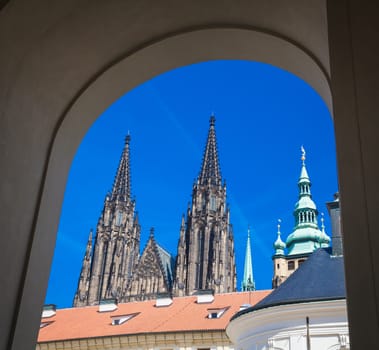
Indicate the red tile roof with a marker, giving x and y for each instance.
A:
(184, 314)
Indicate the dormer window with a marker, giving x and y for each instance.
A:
(120, 319)
(217, 312)
(44, 324)
(244, 306)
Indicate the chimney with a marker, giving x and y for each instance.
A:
(204, 296)
(49, 310)
(335, 219)
(163, 299)
(107, 305)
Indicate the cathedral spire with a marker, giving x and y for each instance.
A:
(116, 247)
(121, 186)
(248, 283)
(205, 258)
(210, 169)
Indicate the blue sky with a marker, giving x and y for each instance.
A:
(263, 116)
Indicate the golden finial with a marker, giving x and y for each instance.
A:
(303, 154)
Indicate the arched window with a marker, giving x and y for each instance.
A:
(119, 218)
(213, 202)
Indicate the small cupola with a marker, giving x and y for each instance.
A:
(279, 245)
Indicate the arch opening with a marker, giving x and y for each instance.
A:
(263, 115)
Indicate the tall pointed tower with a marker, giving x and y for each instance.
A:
(107, 270)
(306, 236)
(248, 283)
(205, 258)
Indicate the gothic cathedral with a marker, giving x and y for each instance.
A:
(114, 268)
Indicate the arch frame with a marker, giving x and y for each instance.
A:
(135, 67)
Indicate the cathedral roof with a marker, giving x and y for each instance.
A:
(210, 169)
(163, 258)
(167, 261)
(320, 278)
(183, 315)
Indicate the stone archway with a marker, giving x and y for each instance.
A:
(132, 70)
(61, 57)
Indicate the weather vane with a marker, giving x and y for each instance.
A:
(303, 154)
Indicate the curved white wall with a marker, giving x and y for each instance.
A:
(285, 327)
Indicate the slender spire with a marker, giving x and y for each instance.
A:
(279, 245)
(248, 283)
(305, 209)
(304, 177)
(121, 186)
(210, 169)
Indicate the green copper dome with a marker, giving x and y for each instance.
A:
(279, 245)
(325, 239)
(305, 202)
(306, 236)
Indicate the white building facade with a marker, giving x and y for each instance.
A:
(313, 325)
